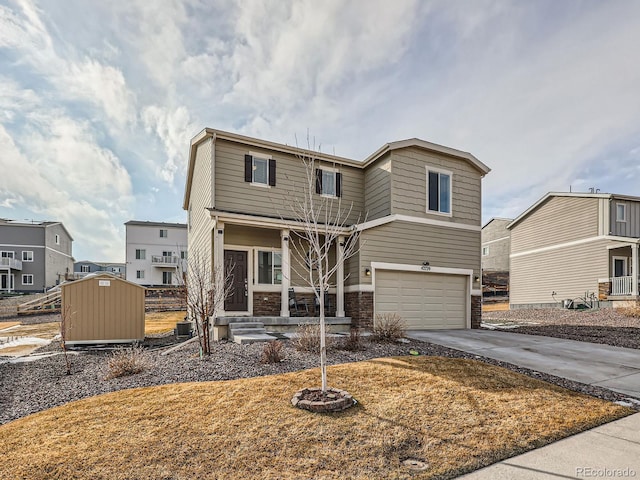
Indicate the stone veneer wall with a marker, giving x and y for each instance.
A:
(359, 306)
(476, 311)
(604, 290)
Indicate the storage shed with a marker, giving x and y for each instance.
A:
(102, 308)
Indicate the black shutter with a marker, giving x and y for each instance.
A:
(272, 172)
(248, 168)
(338, 184)
(318, 180)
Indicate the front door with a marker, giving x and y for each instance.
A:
(619, 267)
(235, 266)
(6, 282)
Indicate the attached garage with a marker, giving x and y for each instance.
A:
(424, 299)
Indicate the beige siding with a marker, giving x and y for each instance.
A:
(631, 226)
(569, 271)
(557, 220)
(377, 188)
(233, 194)
(411, 243)
(352, 268)
(201, 225)
(100, 313)
(409, 185)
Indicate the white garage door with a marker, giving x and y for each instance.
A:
(423, 300)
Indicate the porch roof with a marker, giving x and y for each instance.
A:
(265, 221)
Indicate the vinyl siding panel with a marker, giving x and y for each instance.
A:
(377, 188)
(352, 268)
(410, 243)
(558, 220)
(201, 224)
(409, 185)
(499, 248)
(569, 271)
(233, 194)
(629, 228)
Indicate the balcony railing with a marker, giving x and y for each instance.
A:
(162, 261)
(621, 285)
(12, 263)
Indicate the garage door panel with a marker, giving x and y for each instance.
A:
(423, 300)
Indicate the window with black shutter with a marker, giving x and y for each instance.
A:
(259, 170)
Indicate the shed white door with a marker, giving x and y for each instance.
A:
(423, 300)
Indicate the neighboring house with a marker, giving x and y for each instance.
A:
(33, 256)
(416, 204)
(156, 253)
(571, 245)
(496, 244)
(85, 267)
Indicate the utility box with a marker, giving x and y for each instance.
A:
(103, 308)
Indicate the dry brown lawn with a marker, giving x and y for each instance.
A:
(455, 414)
(4, 325)
(40, 330)
(162, 322)
(495, 307)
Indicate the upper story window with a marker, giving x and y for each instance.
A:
(269, 267)
(141, 254)
(438, 191)
(260, 170)
(27, 256)
(164, 233)
(7, 254)
(328, 182)
(485, 251)
(621, 212)
(85, 269)
(57, 239)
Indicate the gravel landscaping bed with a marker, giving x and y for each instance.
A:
(606, 326)
(26, 388)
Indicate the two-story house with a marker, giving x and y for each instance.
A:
(86, 267)
(156, 252)
(496, 247)
(573, 245)
(417, 206)
(34, 256)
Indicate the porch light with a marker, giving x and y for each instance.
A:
(367, 272)
(476, 278)
(286, 239)
(425, 263)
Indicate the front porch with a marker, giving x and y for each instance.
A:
(223, 327)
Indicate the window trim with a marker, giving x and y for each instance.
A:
(12, 252)
(139, 274)
(57, 239)
(82, 268)
(485, 249)
(439, 171)
(143, 254)
(27, 260)
(27, 275)
(256, 254)
(166, 233)
(624, 211)
(268, 159)
(337, 182)
(170, 278)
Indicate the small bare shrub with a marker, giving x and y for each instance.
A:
(128, 361)
(307, 338)
(272, 352)
(353, 342)
(388, 327)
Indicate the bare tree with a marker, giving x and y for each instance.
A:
(206, 289)
(321, 222)
(65, 326)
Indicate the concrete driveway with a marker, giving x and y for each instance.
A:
(614, 368)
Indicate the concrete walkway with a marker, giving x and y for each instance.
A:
(610, 367)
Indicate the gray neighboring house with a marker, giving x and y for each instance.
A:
(572, 245)
(84, 267)
(417, 205)
(496, 246)
(34, 256)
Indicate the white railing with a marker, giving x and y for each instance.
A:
(621, 285)
(164, 261)
(11, 263)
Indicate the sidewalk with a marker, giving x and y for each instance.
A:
(611, 451)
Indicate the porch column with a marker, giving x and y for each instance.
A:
(634, 270)
(340, 278)
(218, 255)
(286, 273)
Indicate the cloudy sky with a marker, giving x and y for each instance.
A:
(98, 100)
